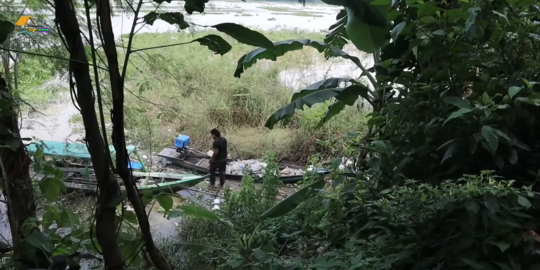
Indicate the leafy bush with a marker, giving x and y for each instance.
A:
(242, 208)
(470, 106)
(477, 222)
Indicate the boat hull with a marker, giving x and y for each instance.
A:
(198, 162)
(67, 150)
(83, 180)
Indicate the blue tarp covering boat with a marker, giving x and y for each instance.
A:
(68, 150)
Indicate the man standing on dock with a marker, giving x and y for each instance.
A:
(218, 161)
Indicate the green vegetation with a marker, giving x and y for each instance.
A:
(306, 14)
(33, 72)
(279, 9)
(356, 225)
(300, 14)
(186, 90)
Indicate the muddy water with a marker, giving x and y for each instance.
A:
(52, 123)
(160, 226)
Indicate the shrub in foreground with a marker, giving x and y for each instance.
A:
(477, 222)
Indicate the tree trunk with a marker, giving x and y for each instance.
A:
(15, 174)
(118, 136)
(108, 187)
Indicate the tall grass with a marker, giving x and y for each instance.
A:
(188, 89)
(32, 76)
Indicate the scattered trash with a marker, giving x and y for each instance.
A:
(256, 167)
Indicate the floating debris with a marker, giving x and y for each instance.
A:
(257, 168)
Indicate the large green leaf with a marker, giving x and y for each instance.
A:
(334, 109)
(364, 22)
(165, 201)
(458, 102)
(282, 47)
(327, 83)
(347, 97)
(470, 25)
(291, 202)
(199, 212)
(367, 25)
(170, 17)
(40, 240)
(5, 29)
(513, 90)
(491, 137)
(338, 34)
(67, 219)
(245, 35)
(130, 252)
(195, 5)
(51, 188)
(457, 114)
(215, 43)
(317, 93)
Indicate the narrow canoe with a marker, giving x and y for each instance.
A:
(67, 150)
(84, 180)
(199, 162)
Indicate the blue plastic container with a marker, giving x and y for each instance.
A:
(135, 165)
(182, 141)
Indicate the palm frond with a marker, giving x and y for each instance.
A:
(338, 35)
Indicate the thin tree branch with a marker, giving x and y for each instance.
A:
(117, 118)
(163, 46)
(50, 56)
(98, 87)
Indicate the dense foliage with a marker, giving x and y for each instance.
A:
(476, 221)
(468, 89)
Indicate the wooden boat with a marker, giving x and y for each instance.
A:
(84, 180)
(73, 154)
(199, 162)
(67, 150)
(79, 175)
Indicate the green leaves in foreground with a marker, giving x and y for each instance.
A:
(51, 188)
(214, 42)
(5, 29)
(283, 47)
(169, 17)
(362, 22)
(199, 212)
(490, 135)
(320, 92)
(291, 202)
(244, 35)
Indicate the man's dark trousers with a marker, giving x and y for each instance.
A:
(220, 166)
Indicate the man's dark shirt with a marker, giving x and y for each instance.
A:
(221, 145)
